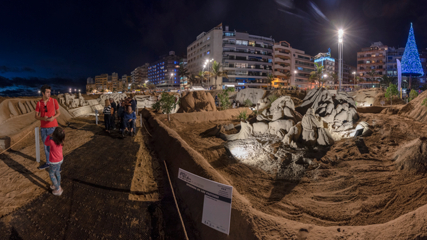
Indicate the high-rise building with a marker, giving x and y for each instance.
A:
(101, 81)
(328, 63)
(391, 65)
(423, 59)
(246, 59)
(164, 72)
(347, 73)
(291, 66)
(140, 74)
(372, 58)
(90, 85)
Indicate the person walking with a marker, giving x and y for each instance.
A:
(120, 115)
(113, 114)
(55, 142)
(107, 116)
(47, 110)
(129, 121)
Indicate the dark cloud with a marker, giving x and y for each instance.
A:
(5, 69)
(32, 85)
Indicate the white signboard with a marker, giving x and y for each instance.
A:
(217, 200)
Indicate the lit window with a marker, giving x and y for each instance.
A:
(208, 52)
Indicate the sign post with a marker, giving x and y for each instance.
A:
(96, 114)
(217, 200)
(36, 134)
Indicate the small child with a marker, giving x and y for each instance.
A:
(55, 142)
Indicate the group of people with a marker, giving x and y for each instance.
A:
(53, 137)
(124, 112)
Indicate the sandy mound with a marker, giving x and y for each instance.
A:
(366, 97)
(293, 93)
(415, 110)
(412, 156)
(197, 101)
(381, 97)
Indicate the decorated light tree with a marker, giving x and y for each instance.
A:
(411, 65)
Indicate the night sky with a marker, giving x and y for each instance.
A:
(64, 42)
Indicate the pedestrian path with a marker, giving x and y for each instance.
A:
(95, 204)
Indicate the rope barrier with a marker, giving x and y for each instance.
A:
(176, 203)
(146, 129)
(15, 143)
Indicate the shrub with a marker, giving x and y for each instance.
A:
(424, 102)
(224, 99)
(248, 103)
(413, 94)
(391, 91)
(156, 106)
(272, 98)
(243, 115)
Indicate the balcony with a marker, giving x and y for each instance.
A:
(244, 59)
(248, 52)
(224, 43)
(233, 67)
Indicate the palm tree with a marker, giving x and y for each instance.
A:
(334, 77)
(182, 71)
(193, 79)
(386, 80)
(317, 74)
(288, 77)
(202, 76)
(216, 71)
(270, 79)
(372, 74)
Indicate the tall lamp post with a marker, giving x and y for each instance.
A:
(354, 80)
(340, 61)
(208, 62)
(170, 80)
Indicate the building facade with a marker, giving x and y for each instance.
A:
(423, 59)
(291, 66)
(164, 72)
(246, 59)
(348, 73)
(328, 63)
(140, 74)
(391, 64)
(372, 59)
(90, 85)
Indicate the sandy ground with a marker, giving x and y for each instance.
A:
(355, 185)
(113, 188)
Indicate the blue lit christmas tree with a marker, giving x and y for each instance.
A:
(411, 65)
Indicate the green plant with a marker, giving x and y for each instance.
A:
(355, 103)
(156, 106)
(317, 75)
(413, 94)
(224, 99)
(248, 103)
(272, 98)
(391, 91)
(167, 103)
(243, 115)
(424, 102)
(216, 72)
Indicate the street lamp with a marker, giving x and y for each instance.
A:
(39, 92)
(340, 61)
(69, 90)
(170, 80)
(354, 81)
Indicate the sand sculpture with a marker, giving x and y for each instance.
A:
(412, 156)
(253, 94)
(197, 101)
(323, 118)
(145, 101)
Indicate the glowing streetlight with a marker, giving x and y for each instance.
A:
(354, 81)
(39, 92)
(340, 61)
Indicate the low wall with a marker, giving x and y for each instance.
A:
(178, 154)
(374, 109)
(196, 117)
